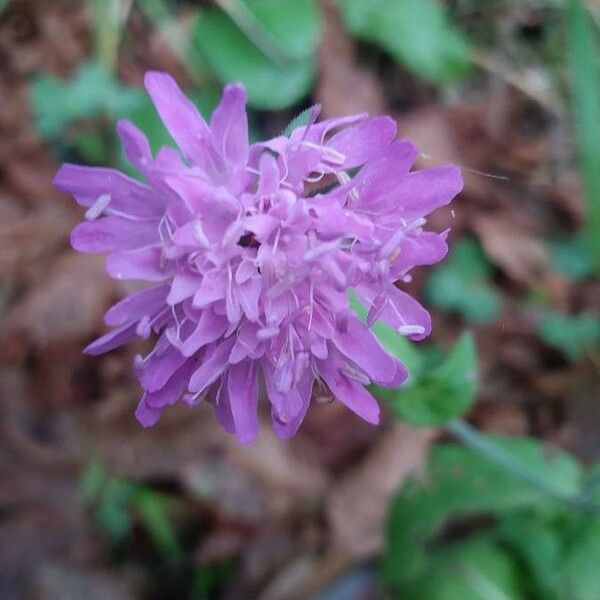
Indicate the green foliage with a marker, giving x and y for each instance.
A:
(509, 539)
(116, 504)
(268, 45)
(92, 92)
(437, 390)
(416, 32)
(442, 393)
(585, 92)
(96, 97)
(461, 284)
(572, 257)
(472, 570)
(573, 335)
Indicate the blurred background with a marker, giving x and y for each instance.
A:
(499, 504)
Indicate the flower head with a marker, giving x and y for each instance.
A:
(250, 252)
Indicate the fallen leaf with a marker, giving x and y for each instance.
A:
(357, 504)
(517, 252)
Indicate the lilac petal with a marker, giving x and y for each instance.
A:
(399, 378)
(287, 430)
(261, 225)
(249, 297)
(245, 271)
(401, 311)
(173, 389)
(381, 177)
(146, 415)
(359, 345)
(316, 132)
(426, 248)
(229, 125)
(246, 342)
(213, 364)
(158, 368)
(364, 141)
(210, 327)
(421, 192)
(143, 264)
(268, 182)
(180, 116)
(242, 384)
(110, 341)
(127, 196)
(135, 145)
(113, 233)
(349, 392)
(286, 405)
(213, 287)
(184, 285)
(146, 302)
(219, 398)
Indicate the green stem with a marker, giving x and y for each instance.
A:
(585, 99)
(471, 437)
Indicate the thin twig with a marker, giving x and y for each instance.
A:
(488, 448)
(253, 30)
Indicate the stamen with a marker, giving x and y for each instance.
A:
(200, 235)
(96, 209)
(411, 330)
(314, 253)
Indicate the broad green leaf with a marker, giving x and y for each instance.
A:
(585, 92)
(477, 569)
(442, 394)
(461, 284)
(572, 257)
(582, 565)
(572, 335)
(292, 26)
(461, 483)
(91, 92)
(416, 32)
(536, 541)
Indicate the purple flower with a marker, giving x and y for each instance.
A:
(251, 251)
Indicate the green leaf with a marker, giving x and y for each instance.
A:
(572, 256)
(585, 92)
(572, 335)
(272, 81)
(582, 572)
(443, 393)
(152, 507)
(537, 543)
(90, 93)
(92, 482)
(112, 515)
(416, 32)
(461, 284)
(473, 570)
(461, 483)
